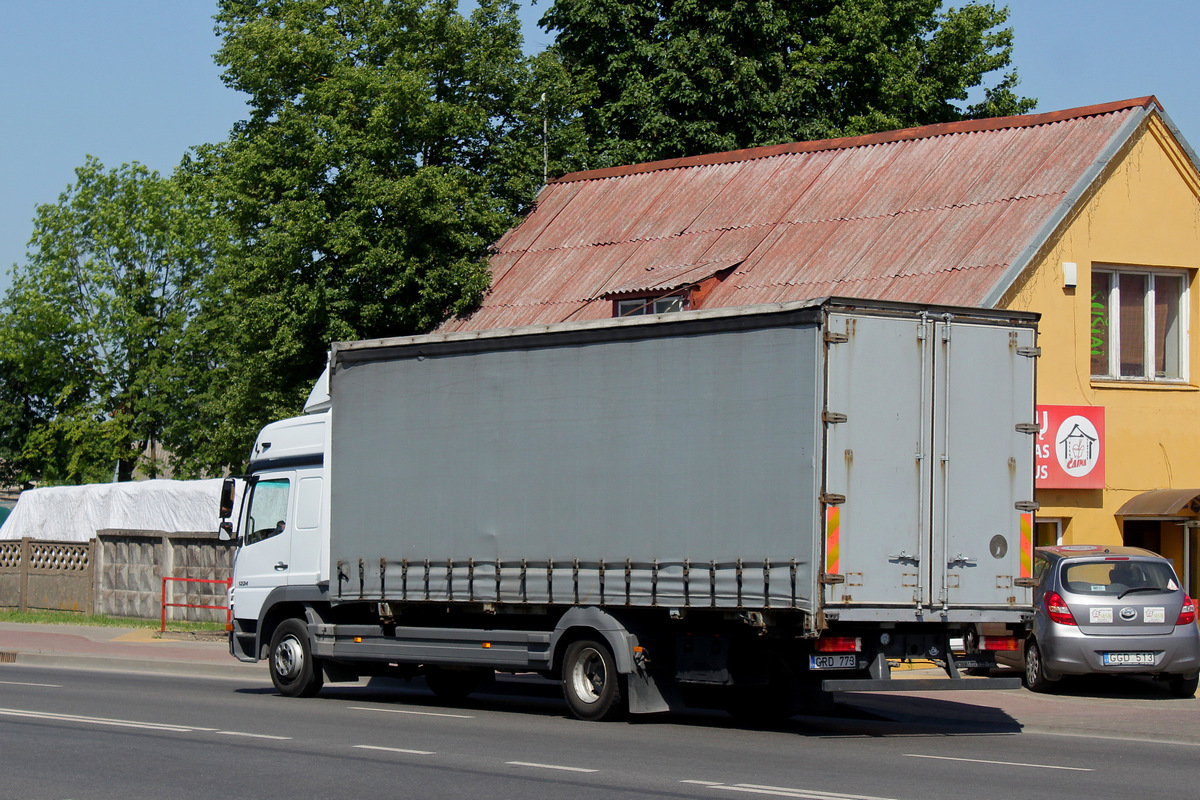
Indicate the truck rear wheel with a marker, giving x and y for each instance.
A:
(590, 681)
(294, 671)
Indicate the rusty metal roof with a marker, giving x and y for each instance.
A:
(944, 214)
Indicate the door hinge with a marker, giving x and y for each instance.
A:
(833, 337)
(1027, 505)
(831, 499)
(831, 578)
(1028, 427)
(1029, 352)
(832, 417)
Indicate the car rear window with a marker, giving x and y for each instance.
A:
(1116, 577)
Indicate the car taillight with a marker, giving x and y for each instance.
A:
(1187, 614)
(993, 643)
(1057, 609)
(839, 644)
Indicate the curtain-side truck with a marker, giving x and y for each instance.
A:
(743, 507)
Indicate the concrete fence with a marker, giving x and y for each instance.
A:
(47, 575)
(119, 573)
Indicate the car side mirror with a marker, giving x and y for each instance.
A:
(225, 532)
(227, 489)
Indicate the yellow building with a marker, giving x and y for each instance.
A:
(1115, 285)
(1089, 216)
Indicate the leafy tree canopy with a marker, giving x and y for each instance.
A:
(386, 148)
(669, 78)
(92, 325)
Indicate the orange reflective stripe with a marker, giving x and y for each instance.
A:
(833, 529)
(1026, 545)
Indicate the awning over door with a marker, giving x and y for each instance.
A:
(1178, 503)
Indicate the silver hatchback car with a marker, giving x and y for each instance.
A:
(1110, 610)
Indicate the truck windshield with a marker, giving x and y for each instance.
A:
(268, 509)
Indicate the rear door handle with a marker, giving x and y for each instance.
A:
(280, 567)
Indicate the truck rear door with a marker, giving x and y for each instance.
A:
(924, 465)
(877, 453)
(983, 477)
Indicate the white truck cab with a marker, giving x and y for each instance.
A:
(284, 514)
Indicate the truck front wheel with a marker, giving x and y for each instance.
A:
(591, 684)
(294, 671)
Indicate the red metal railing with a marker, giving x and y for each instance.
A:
(228, 611)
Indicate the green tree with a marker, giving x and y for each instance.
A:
(92, 325)
(379, 161)
(669, 78)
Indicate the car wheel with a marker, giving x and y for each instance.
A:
(1035, 670)
(971, 646)
(294, 671)
(1184, 687)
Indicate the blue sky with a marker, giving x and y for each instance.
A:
(133, 80)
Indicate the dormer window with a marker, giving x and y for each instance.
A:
(637, 306)
(664, 289)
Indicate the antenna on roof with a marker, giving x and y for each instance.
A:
(545, 143)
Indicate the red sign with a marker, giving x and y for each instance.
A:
(1070, 447)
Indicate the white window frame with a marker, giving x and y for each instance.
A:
(638, 306)
(1114, 322)
(1057, 522)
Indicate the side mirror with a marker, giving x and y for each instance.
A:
(227, 489)
(225, 532)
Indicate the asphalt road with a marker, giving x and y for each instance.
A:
(67, 733)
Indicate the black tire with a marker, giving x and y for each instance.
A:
(454, 685)
(590, 681)
(1182, 686)
(1035, 677)
(971, 647)
(294, 671)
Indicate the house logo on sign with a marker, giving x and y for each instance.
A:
(1077, 446)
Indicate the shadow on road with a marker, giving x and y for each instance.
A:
(848, 715)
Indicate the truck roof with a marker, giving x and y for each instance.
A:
(708, 319)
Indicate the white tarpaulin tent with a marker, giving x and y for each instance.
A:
(75, 513)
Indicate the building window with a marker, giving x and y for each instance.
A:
(1138, 325)
(649, 305)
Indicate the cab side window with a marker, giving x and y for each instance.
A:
(268, 509)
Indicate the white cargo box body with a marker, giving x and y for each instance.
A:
(692, 460)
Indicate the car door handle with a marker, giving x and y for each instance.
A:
(280, 567)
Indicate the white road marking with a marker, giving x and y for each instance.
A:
(254, 735)
(120, 723)
(784, 791)
(1001, 763)
(21, 683)
(395, 750)
(415, 713)
(549, 766)
(128, 723)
